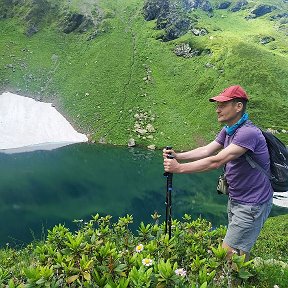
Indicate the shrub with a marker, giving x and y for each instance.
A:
(105, 254)
(102, 253)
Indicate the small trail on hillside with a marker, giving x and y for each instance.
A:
(51, 73)
(128, 23)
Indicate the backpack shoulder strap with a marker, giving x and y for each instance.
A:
(254, 164)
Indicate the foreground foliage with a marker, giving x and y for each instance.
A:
(105, 254)
(272, 242)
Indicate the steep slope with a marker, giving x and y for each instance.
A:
(117, 78)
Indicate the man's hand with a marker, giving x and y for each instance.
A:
(171, 165)
(168, 152)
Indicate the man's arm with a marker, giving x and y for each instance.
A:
(200, 153)
(195, 154)
(231, 152)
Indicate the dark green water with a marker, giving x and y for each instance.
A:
(41, 189)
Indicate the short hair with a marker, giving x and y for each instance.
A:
(243, 101)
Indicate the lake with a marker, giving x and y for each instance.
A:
(43, 188)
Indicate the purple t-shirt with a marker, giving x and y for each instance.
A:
(247, 185)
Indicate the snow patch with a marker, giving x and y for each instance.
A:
(25, 122)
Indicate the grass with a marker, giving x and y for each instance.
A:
(99, 84)
(273, 239)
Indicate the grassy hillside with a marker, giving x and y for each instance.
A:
(125, 76)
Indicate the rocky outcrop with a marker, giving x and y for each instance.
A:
(76, 21)
(37, 12)
(152, 9)
(279, 16)
(239, 6)
(205, 5)
(262, 10)
(224, 5)
(173, 16)
(175, 29)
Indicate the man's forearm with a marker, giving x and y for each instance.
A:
(195, 154)
(201, 165)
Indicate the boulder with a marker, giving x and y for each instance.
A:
(151, 147)
(199, 31)
(184, 50)
(102, 140)
(209, 65)
(266, 40)
(131, 142)
(141, 131)
(31, 30)
(150, 128)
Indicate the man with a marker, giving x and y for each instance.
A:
(250, 191)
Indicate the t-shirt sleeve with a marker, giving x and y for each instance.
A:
(246, 138)
(220, 138)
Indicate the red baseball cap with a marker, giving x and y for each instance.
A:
(230, 93)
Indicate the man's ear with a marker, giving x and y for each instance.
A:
(239, 106)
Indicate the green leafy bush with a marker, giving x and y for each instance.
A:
(105, 254)
(102, 253)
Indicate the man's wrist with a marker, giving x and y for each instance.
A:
(179, 168)
(177, 156)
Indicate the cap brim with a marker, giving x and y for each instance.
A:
(220, 98)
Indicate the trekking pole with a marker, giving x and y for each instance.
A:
(168, 202)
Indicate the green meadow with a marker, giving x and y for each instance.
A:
(100, 84)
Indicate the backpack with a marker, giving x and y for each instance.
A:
(278, 162)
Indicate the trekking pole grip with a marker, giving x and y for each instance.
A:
(169, 156)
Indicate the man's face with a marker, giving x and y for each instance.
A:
(228, 112)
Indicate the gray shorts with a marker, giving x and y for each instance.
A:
(245, 223)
